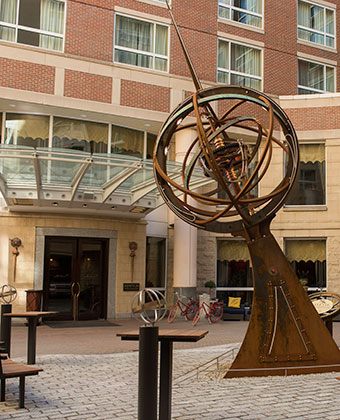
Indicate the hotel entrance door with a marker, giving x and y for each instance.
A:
(75, 277)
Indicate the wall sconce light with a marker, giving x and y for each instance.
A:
(132, 247)
(15, 243)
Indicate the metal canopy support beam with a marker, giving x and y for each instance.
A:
(79, 176)
(37, 174)
(193, 185)
(146, 188)
(117, 181)
(3, 189)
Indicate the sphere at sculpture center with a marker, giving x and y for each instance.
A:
(240, 132)
(149, 305)
(8, 293)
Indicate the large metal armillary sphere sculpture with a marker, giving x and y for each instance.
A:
(226, 159)
(240, 132)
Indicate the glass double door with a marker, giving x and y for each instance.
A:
(75, 277)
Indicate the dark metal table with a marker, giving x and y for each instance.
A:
(167, 338)
(32, 320)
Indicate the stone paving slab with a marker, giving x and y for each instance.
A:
(104, 386)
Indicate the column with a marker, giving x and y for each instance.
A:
(185, 235)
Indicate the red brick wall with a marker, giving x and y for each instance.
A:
(152, 9)
(89, 30)
(145, 96)
(27, 76)
(280, 61)
(92, 87)
(198, 26)
(322, 118)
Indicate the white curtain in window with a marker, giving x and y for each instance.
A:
(232, 251)
(245, 60)
(252, 5)
(310, 16)
(330, 79)
(127, 141)
(306, 250)
(223, 55)
(25, 127)
(311, 75)
(137, 35)
(161, 47)
(312, 153)
(80, 130)
(7, 14)
(134, 34)
(51, 20)
(317, 18)
(330, 21)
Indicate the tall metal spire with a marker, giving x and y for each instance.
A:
(192, 70)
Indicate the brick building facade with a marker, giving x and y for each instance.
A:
(100, 77)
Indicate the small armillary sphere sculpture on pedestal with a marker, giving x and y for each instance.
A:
(8, 293)
(149, 306)
(240, 133)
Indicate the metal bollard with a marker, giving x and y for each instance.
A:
(6, 324)
(148, 373)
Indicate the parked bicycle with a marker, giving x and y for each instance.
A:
(213, 312)
(188, 309)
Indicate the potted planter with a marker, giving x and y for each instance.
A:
(210, 285)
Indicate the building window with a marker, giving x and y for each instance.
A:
(127, 141)
(315, 78)
(82, 135)
(24, 130)
(239, 65)
(248, 12)
(155, 262)
(234, 276)
(141, 43)
(310, 186)
(131, 142)
(27, 130)
(316, 24)
(33, 22)
(150, 144)
(308, 259)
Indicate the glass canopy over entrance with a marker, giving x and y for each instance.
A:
(62, 180)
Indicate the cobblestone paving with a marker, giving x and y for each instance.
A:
(81, 387)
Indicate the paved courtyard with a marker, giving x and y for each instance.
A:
(103, 385)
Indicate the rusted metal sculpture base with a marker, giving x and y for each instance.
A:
(286, 335)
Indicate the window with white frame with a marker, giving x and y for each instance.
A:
(316, 24)
(310, 188)
(308, 259)
(248, 12)
(315, 78)
(234, 276)
(33, 22)
(239, 64)
(141, 43)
